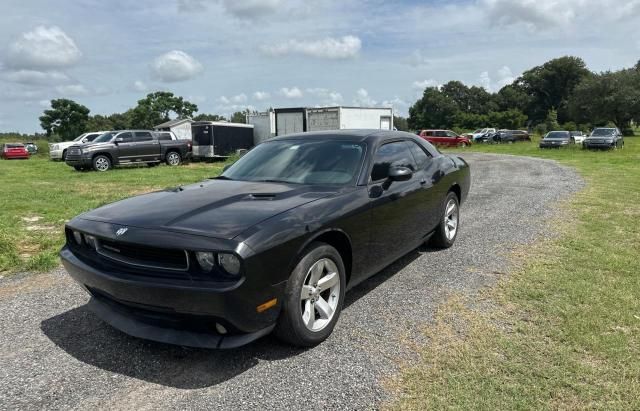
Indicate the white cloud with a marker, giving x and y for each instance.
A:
(72, 90)
(328, 48)
(43, 48)
(505, 77)
(293, 92)
(326, 96)
(485, 80)
(543, 14)
(240, 98)
(139, 85)
(261, 95)
(363, 98)
(176, 66)
(422, 84)
(35, 77)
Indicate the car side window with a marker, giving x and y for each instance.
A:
(451, 134)
(419, 155)
(396, 154)
(441, 134)
(143, 136)
(164, 137)
(429, 133)
(126, 137)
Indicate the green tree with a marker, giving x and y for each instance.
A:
(509, 119)
(157, 108)
(551, 122)
(209, 117)
(475, 100)
(609, 96)
(550, 85)
(400, 123)
(433, 110)
(65, 118)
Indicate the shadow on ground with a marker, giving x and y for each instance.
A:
(84, 336)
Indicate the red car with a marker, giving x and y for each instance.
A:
(445, 138)
(14, 150)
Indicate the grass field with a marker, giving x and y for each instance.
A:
(38, 196)
(563, 330)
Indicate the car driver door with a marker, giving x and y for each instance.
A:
(396, 209)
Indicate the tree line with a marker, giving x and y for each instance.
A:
(560, 93)
(67, 119)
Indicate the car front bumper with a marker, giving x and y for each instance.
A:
(600, 145)
(179, 312)
(549, 144)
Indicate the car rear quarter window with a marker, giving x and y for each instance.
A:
(143, 136)
(419, 155)
(441, 134)
(164, 136)
(395, 154)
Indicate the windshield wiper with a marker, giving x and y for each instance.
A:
(275, 181)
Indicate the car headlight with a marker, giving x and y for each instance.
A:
(230, 263)
(78, 237)
(91, 241)
(609, 140)
(206, 260)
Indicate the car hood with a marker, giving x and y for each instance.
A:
(214, 208)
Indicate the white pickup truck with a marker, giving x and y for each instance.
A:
(58, 151)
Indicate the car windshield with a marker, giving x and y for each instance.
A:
(300, 162)
(14, 145)
(104, 138)
(602, 132)
(558, 134)
(79, 137)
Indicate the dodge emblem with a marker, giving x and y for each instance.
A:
(121, 231)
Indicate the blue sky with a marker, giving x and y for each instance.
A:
(227, 55)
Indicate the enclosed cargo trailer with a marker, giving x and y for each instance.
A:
(216, 139)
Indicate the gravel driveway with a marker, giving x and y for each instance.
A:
(56, 354)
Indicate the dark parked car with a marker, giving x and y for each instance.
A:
(32, 148)
(607, 138)
(506, 136)
(556, 139)
(127, 147)
(271, 244)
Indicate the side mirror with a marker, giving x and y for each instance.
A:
(400, 173)
(118, 140)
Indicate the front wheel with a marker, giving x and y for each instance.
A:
(101, 163)
(462, 145)
(173, 158)
(447, 231)
(313, 298)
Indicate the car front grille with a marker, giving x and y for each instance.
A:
(144, 256)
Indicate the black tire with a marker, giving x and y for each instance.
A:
(78, 168)
(101, 163)
(291, 327)
(152, 164)
(173, 158)
(440, 238)
(64, 155)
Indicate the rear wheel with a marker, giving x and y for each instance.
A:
(173, 158)
(447, 231)
(101, 163)
(313, 297)
(64, 155)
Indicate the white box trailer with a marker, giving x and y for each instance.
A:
(283, 121)
(264, 125)
(340, 118)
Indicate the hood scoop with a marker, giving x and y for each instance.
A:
(262, 196)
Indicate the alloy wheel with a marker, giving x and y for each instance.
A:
(451, 219)
(102, 164)
(320, 294)
(173, 159)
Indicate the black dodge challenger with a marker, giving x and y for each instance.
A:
(272, 244)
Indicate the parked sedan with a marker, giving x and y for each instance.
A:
(506, 136)
(556, 139)
(13, 151)
(445, 138)
(607, 138)
(272, 244)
